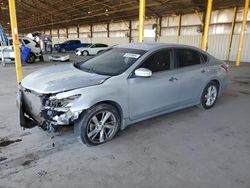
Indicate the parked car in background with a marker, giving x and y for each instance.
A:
(124, 85)
(92, 49)
(69, 45)
(35, 52)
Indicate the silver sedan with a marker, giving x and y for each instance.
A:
(121, 86)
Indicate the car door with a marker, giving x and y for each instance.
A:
(101, 47)
(149, 96)
(93, 49)
(192, 73)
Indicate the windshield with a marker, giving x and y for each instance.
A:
(113, 62)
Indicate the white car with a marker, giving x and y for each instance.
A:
(92, 49)
(36, 51)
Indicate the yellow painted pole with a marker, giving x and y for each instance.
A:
(243, 27)
(141, 20)
(207, 23)
(231, 33)
(158, 29)
(14, 31)
(200, 40)
(179, 29)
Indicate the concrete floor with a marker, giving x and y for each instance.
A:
(190, 148)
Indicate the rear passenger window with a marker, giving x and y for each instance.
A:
(159, 61)
(100, 45)
(187, 57)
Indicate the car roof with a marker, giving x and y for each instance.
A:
(26, 38)
(153, 46)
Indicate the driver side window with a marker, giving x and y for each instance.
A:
(159, 61)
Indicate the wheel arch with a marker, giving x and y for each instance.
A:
(113, 103)
(99, 51)
(85, 50)
(218, 83)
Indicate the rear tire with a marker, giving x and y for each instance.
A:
(31, 58)
(209, 95)
(85, 53)
(98, 124)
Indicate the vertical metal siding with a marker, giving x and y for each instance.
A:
(169, 39)
(246, 48)
(218, 45)
(192, 40)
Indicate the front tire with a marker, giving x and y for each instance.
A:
(85, 53)
(98, 124)
(210, 95)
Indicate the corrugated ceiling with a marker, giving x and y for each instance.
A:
(44, 14)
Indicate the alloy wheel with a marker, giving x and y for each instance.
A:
(101, 127)
(211, 95)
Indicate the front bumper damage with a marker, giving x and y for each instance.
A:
(37, 110)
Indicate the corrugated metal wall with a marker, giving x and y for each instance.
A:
(218, 40)
(218, 45)
(246, 48)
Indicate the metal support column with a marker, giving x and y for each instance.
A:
(179, 29)
(67, 32)
(91, 31)
(243, 27)
(130, 31)
(108, 30)
(14, 31)
(78, 34)
(231, 34)
(142, 6)
(201, 17)
(158, 29)
(58, 34)
(207, 23)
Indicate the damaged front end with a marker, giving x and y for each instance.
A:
(45, 110)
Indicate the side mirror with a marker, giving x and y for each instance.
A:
(143, 72)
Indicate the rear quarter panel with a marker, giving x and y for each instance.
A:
(216, 72)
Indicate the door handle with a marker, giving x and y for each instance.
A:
(172, 79)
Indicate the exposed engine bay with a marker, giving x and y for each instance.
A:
(45, 110)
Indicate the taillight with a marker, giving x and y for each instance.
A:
(225, 66)
(37, 45)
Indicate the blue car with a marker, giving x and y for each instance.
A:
(70, 45)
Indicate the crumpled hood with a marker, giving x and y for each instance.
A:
(59, 78)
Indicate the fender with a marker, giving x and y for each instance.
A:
(96, 94)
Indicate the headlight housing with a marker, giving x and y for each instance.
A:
(69, 101)
(65, 103)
